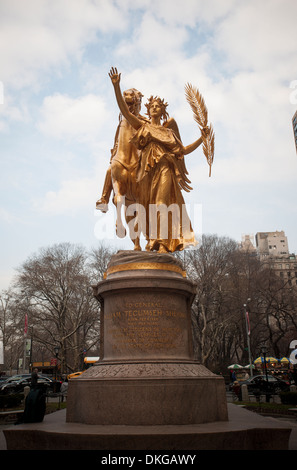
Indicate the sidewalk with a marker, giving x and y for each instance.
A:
(244, 430)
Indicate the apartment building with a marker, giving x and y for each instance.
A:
(286, 269)
(273, 248)
(272, 244)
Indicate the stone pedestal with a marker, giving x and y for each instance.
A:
(146, 374)
(147, 392)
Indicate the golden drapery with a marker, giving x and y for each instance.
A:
(161, 176)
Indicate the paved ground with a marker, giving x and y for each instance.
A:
(293, 437)
(288, 422)
(2, 439)
(292, 421)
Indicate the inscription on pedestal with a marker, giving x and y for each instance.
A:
(145, 328)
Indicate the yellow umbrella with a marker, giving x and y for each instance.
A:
(285, 359)
(260, 359)
(271, 359)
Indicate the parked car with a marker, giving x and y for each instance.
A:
(3, 378)
(12, 378)
(258, 384)
(18, 384)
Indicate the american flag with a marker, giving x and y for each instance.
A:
(248, 322)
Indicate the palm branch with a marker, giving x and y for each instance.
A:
(200, 112)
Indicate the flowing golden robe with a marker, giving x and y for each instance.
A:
(161, 175)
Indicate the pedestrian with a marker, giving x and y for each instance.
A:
(35, 401)
(64, 389)
(237, 389)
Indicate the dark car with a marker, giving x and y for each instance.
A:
(18, 385)
(3, 379)
(13, 378)
(260, 385)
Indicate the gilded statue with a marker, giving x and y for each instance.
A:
(159, 169)
(121, 174)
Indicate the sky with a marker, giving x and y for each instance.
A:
(58, 113)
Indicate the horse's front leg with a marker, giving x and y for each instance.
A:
(119, 202)
(137, 246)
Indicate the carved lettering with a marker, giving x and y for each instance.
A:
(144, 325)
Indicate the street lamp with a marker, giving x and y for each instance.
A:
(264, 352)
(248, 336)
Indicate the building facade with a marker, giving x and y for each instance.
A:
(286, 269)
(272, 244)
(273, 250)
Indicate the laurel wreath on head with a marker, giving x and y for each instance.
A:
(200, 112)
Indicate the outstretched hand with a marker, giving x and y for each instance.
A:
(205, 132)
(114, 75)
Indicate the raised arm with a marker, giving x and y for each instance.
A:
(115, 78)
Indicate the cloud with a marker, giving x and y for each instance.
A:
(12, 112)
(260, 35)
(72, 196)
(155, 40)
(7, 216)
(79, 119)
(38, 35)
(76, 194)
(187, 13)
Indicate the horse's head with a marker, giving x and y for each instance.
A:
(133, 99)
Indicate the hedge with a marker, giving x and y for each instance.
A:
(11, 401)
(288, 398)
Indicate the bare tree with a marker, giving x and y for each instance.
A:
(277, 311)
(209, 267)
(99, 258)
(229, 282)
(55, 284)
(12, 329)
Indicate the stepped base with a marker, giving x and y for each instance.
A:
(243, 431)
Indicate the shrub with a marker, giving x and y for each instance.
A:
(288, 398)
(11, 401)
